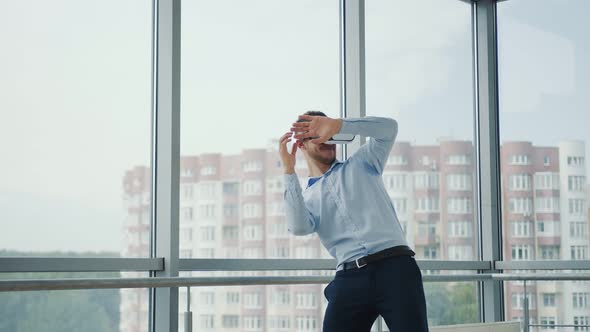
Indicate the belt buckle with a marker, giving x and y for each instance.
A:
(357, 263)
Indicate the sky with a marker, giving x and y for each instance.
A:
(75, 90)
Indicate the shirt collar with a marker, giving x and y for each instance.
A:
(312, 180)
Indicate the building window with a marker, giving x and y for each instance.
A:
(459, 182)
(251, 188)
(576, 183)
(575, 161)
(459, 159)
(549, 322)
(230, 188)
(306, 301)
(279, 322)
(280, 297)
(397, 160)
(579, 229)
(581, 300)
(208, 170)
(577, 207)
(546, 160)
(426, 180)
(252, 166)
(187, 191)
(207, 210)
(187, 213)
(582, 320)
(253, 232)
(579, 252)
(521, 205)
(252, 210)
(207, 190)
(519, 160)
(253, 323)
(230, 232)
(460, 252)
(430, 252)
(549, 299)
(459, 205)
(549, 252)
(207, 321)
(547, 204)
(230, 321)
(521, 252)
(232, 297)
(427, 204)
(460, 229)
(252, 300)
(400, 204)
(306, 323)
(395, 182)
(519, 182)
(207, 298)
(547, 181)
(520, 228)
(207, 233)
(230, 210)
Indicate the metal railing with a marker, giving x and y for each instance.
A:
(159, 282)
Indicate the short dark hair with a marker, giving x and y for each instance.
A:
(315, 113)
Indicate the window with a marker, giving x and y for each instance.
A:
(460, 229)
(187, 213)
(459, 181)
(253, 323)
(207, 190)
(547, 181)
(582, 320)
(522, 252)
(187, 191)
(519, 160)
(578, 252)
(397, 160)
(518, 300)
(581, 300)
(208, 170)
(279, 322)
(280, 297)
(252, 166)
(575, 161)
(306, 323)
(547, 204)
(252, 210)
(549, 252)
(549, 321)
(460, 252)
(576, 183)
(521, 205)
(207, 321)
(207, 211)
(230, 321)
(395, 181)
(186, 234)
(520, 182)
(430, 252)
(252, 188)
(400, 204)
(460, 205)
(459, 160)
(549, 299)
(230, 210)
(253, 232)
(520, 228)
(230, 188)
(252, 300)
(577, 207)
(232, 297)
(306, 300)
(207, 233)
(579, 229)
(231, 232)
(427, 204)
(207, 298)
(426, 181)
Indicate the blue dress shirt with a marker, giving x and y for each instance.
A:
(348, 205)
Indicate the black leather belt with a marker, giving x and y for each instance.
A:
(386, 253)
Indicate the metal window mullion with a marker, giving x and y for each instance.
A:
(488, 148)
(352, 69)
(165, 161)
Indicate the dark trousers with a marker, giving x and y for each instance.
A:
(391, 288)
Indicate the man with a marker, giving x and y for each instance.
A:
(347, 205)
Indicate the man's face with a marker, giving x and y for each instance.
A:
(323, 153)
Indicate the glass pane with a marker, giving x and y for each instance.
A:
(544, 81)
(108, 310)
(419, 72)
(75, 106)
(248, 71)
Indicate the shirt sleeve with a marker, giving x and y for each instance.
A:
(300, 221)
(382, 131)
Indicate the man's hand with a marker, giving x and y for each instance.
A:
(321, 128)
(287, 158)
